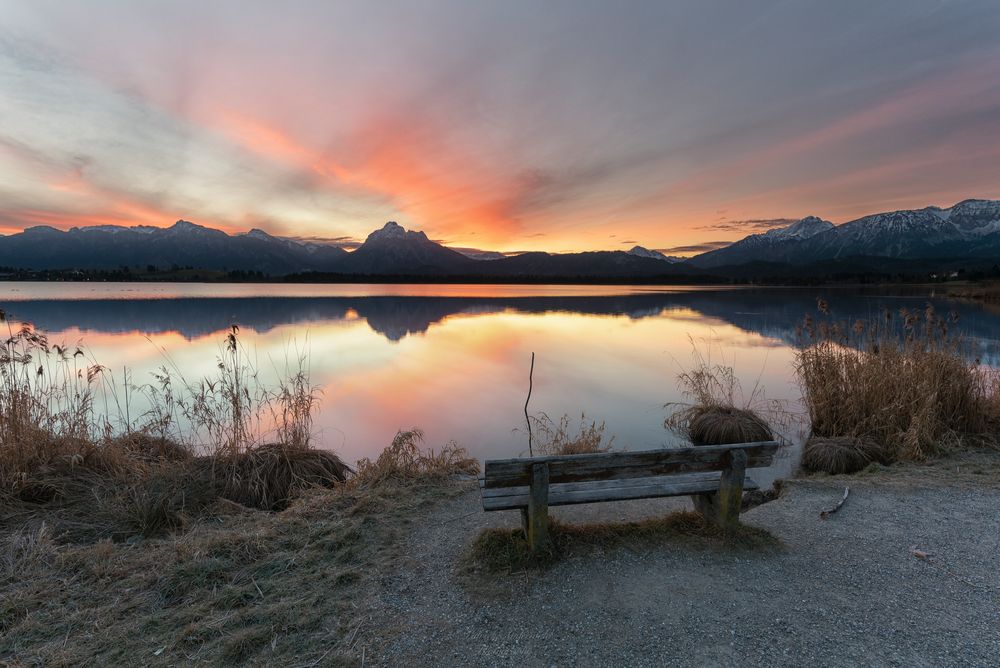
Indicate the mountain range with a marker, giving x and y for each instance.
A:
(969, 230)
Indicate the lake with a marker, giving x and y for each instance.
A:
(454, 359)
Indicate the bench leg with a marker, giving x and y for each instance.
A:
(706, 505)
(731, 489)
(723, 507)
(536, 516)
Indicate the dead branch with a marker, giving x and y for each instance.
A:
(830, 511)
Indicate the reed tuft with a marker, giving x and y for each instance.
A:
(719, 412)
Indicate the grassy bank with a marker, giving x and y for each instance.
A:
(205, 528)
(237, 586)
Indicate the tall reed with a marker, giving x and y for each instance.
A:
(65, 419)
(904, 381)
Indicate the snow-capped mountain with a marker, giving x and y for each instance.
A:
(809, 226)
(970, 229)
(640, 251)
(766, 246)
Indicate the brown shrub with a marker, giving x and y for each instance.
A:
(843, 454)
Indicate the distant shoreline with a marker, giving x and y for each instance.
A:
(209, 277)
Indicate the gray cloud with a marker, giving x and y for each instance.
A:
(695, 248)
(745, 226)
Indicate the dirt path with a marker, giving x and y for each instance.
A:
(842, 591)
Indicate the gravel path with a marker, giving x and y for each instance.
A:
(842, 591)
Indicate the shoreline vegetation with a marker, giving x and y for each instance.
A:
(211, 528)
(207, 529)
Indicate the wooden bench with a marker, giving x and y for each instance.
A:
(714, 476)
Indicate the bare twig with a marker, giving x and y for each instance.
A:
(527, 419)
(350, 641)
(826, 513)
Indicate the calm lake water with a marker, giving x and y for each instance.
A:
(454, 359)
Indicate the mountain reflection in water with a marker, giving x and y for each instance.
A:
(774, 313)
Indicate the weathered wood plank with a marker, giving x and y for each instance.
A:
(599, 491)
(538, 508)
(621, 465)
(710, 478)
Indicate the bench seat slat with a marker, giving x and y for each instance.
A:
(622, 465)
(708, 477)
(563, 494)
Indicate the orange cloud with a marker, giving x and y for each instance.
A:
(88, 204)
(448, 189)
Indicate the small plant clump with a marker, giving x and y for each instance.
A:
(719, 413)
(719, 425)
(840, 454)
(560, 438)
(405, 460)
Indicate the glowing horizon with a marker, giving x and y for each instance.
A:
(494, 126)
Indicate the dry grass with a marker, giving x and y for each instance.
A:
(719, 412)
(988, 293)
(904, 383)
(144, 545)
(720, 425)
(506, 550)
(405, 460)
(105, 473)
(237, 587)
(267, 476)
(560, 438)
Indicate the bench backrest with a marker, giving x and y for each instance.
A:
(621, 465)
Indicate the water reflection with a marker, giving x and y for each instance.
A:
(455, 362)
(770, 312)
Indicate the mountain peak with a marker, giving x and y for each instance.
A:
(641, 251)
(257, 233)
(805, 228)
(393, 231)
(41, 229)
(186, 225)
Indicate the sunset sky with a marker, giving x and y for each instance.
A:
(502, 125)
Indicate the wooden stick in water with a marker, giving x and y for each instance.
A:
(527, 419)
